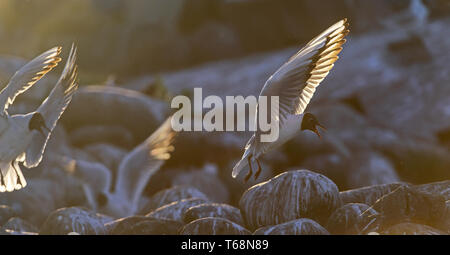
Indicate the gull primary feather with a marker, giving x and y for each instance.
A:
(23, 137)
(294, 83)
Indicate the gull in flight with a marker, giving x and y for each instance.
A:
(295, 83)
(23, 137)
(133, 174)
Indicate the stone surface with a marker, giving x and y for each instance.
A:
(19, 225)
(302, 226)
(407, 204)
(213, 226)
(411, 229)
(214, 210)
(368, 195)
(74, 219)
(438, 188)
(175, 210)
(141, 225)
(6, 213)
(116, 107)
(288, 196)
(173, 194)
(351, 219)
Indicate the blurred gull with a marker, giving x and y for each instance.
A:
(295, 83)
(133, 174)
(23, 137)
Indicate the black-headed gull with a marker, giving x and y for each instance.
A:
(133, 173)
(294, 83)
(23, 137)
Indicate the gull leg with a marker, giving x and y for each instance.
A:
(250, 172)
(15, 170)
(2, 179)
(257, 171)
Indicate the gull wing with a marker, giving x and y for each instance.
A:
(53, 107)
(143, 161)
(296, 81)
(28, 75)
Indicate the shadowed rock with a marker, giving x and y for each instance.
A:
(116, 107)
(351, 219)
(19, 225)
(411, 229)
(406, 204)
(302, 226)
(74, 219)
(141, 225)
(288, 196)
(213, 226)
(214, 210)
(175, 210)
(173, 194)
(368, 195)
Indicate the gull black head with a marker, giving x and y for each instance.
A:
(37, 122)
(310, 122)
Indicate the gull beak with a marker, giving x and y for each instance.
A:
(317, 131)
(321, 126)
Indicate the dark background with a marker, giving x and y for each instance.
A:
(386, 103)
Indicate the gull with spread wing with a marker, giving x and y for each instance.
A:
(133, 174)
(295, 83)
(23, 137)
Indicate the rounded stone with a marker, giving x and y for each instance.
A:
(213, 226)
(289, 196)
(294, 227)
(351, 219)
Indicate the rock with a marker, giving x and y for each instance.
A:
(114, 107)
(122, 225)
(437, 8)
(398, 51)
(302, 226)
(368, 195)
(107, 154)
(141, 225)
(411, 229)
(155, 227)
(6, 213)
(439, 188)
(74, 219)
(36, 201)
(406, 204)
(93, 134)
(222, 42)
(361, 169)
(19, 225)
(173, 194)
(175, 210)
(445, 226)
(288, 196)
(213, 226)
(205, 180)
(351, 219)
(213, 210)
(94, 174)
(73, 192)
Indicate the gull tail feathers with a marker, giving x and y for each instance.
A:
(11, 177)
(239, 166)
(244, 160)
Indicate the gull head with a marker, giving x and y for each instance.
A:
(310, 122)
(37, 123)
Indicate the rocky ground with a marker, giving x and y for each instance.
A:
(382, 167)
